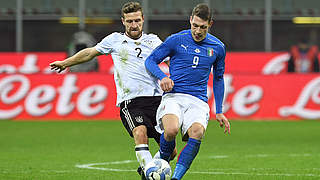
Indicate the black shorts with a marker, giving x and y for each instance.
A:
(141, 111)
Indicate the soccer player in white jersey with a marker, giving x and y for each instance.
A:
(193, 53)
(138, 92)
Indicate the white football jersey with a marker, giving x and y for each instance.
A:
(130, 75)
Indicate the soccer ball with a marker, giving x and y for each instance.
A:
(158, 169)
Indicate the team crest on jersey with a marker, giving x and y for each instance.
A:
(139, 119)
(137, 43)
(149, 42)
(210, 51)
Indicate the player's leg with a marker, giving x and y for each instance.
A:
(168, 119)
(190, 150)
(195, 122)
(153, 132)
(157, 139)
(167, 140)
(133, 118)
(173, 155)
(142, 148)
(151, 117)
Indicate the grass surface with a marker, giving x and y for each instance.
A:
(256, 150)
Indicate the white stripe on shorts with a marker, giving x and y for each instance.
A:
(127, 115)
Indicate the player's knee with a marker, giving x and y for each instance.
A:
(140, 133)
(171, 126)
(171, 132)
(196, 131)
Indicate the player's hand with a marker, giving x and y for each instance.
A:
(166, 84)
(58, 66)
(223, 121)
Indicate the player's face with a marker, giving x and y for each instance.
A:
(199, 28)
(133, 23)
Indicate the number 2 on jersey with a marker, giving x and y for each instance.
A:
(195, 61)
(139, 52)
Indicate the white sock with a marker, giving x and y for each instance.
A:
(157, 155)
(143, 154)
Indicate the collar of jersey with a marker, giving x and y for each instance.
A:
(140, 38)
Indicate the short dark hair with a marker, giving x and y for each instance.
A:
(203, 11)
(130, 7)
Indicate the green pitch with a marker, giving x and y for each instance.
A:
(268, 150)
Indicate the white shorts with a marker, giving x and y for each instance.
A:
(187, 108)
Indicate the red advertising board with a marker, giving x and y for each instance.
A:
(92, 96)
(30, 90)
(28, 63)
(285, 96)
(71, 96)
(255, 62)
(248, 63)
(236, 62)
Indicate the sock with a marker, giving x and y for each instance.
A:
(186, 157)
(166, 148)
(143, 154)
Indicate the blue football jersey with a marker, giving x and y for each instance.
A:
(190, 65)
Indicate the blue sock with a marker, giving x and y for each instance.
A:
(186, 157)
(166, 148)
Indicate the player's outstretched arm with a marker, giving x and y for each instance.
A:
(80, 57)
(223, 121)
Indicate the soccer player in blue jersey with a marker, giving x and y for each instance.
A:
(193, 53)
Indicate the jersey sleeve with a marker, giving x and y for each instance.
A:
(218, 80)
(105, 46)
(161, 52)
(157, 43)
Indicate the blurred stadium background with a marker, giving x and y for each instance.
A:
(51, 124)
(241, 24)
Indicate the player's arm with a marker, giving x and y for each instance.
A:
(80, 57)
(158, 42)
(218, 89)
(156, 57)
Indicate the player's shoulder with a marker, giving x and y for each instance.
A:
(150, 36)
(183, 33)
(151, 39)
(115, 36)
(214, 40)
(179, 36)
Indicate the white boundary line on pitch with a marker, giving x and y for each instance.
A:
(90, 166)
